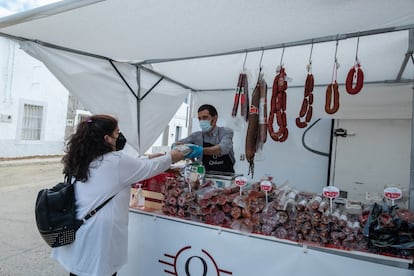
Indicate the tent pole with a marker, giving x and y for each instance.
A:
(409, 53)
(165, 77)
(122, 78)
(152, 88)
(411, 188)
(138, 69)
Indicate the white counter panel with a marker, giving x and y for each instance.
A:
(160, 245)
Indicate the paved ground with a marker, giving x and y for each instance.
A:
(22, 251)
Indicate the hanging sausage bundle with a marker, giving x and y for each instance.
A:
(278, 107)
(256, 128)
(332, 91)
(306, 109)
(242, 95)
(356, 75)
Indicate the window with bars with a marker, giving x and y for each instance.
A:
(32, 122)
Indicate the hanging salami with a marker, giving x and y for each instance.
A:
(252, 129)
(278, 107)
(242, 96)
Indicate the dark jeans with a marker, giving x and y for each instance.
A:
(70, 274)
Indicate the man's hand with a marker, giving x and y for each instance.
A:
(196, 151)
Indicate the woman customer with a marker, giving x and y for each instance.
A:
(101, 170)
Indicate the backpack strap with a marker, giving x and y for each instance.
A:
(93, 212)
(68, 179)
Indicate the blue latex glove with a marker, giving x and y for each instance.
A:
(196, 151)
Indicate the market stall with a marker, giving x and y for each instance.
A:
(141, 64)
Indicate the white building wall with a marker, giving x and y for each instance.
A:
(25, 80)
(179, 120)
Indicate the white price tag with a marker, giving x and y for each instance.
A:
(330, 192)
(240, 181)
(266, 186)
(392, 193)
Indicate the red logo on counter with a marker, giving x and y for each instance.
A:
(189, 263)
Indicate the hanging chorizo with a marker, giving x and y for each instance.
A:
(278, 107)
(332, 94)
(356, 74)
(306, 108)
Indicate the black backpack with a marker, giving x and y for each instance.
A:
(55, 213)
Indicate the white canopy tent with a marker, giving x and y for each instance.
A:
(139, 59)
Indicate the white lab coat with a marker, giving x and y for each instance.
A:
(101, 244)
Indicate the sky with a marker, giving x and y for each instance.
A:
(8, 7)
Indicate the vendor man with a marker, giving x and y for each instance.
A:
(217, 142)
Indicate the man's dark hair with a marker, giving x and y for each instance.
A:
(211, 109)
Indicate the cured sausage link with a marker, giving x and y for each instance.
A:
(236, 97)
(278, 108)
(252, 128)
(262, 135)
(306, 108)
(332, 94)
(242, 96)
(357, 74)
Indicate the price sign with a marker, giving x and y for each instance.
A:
(266, 186)
(240, 181)
(392, 193)
(330, 192)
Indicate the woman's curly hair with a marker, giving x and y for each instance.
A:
(87, 144)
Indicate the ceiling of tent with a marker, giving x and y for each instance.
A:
(150, 31)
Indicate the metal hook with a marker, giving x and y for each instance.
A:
(356, 53)
(309, 66)
(261, 58)
(336, 65)
(310, 55)
(336, 49)
(244, 62)
(281, 57)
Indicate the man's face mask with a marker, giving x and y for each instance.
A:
(120, 142)
(205, 125)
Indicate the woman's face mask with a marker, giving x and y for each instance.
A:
(120, 142)
(205, 125)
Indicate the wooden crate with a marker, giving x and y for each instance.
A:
(153, 200)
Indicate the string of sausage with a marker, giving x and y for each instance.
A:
(278, 108)
(332, 93)
(252, 134)
(242, 95)
(306, 110)
(355, 74)
(262, 135)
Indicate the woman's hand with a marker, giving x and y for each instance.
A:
(176, 155)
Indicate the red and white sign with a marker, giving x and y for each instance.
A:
(330, 192)
(240, 181)
(266, 186)
(392, 193)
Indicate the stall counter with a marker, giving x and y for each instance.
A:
(165, 245)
